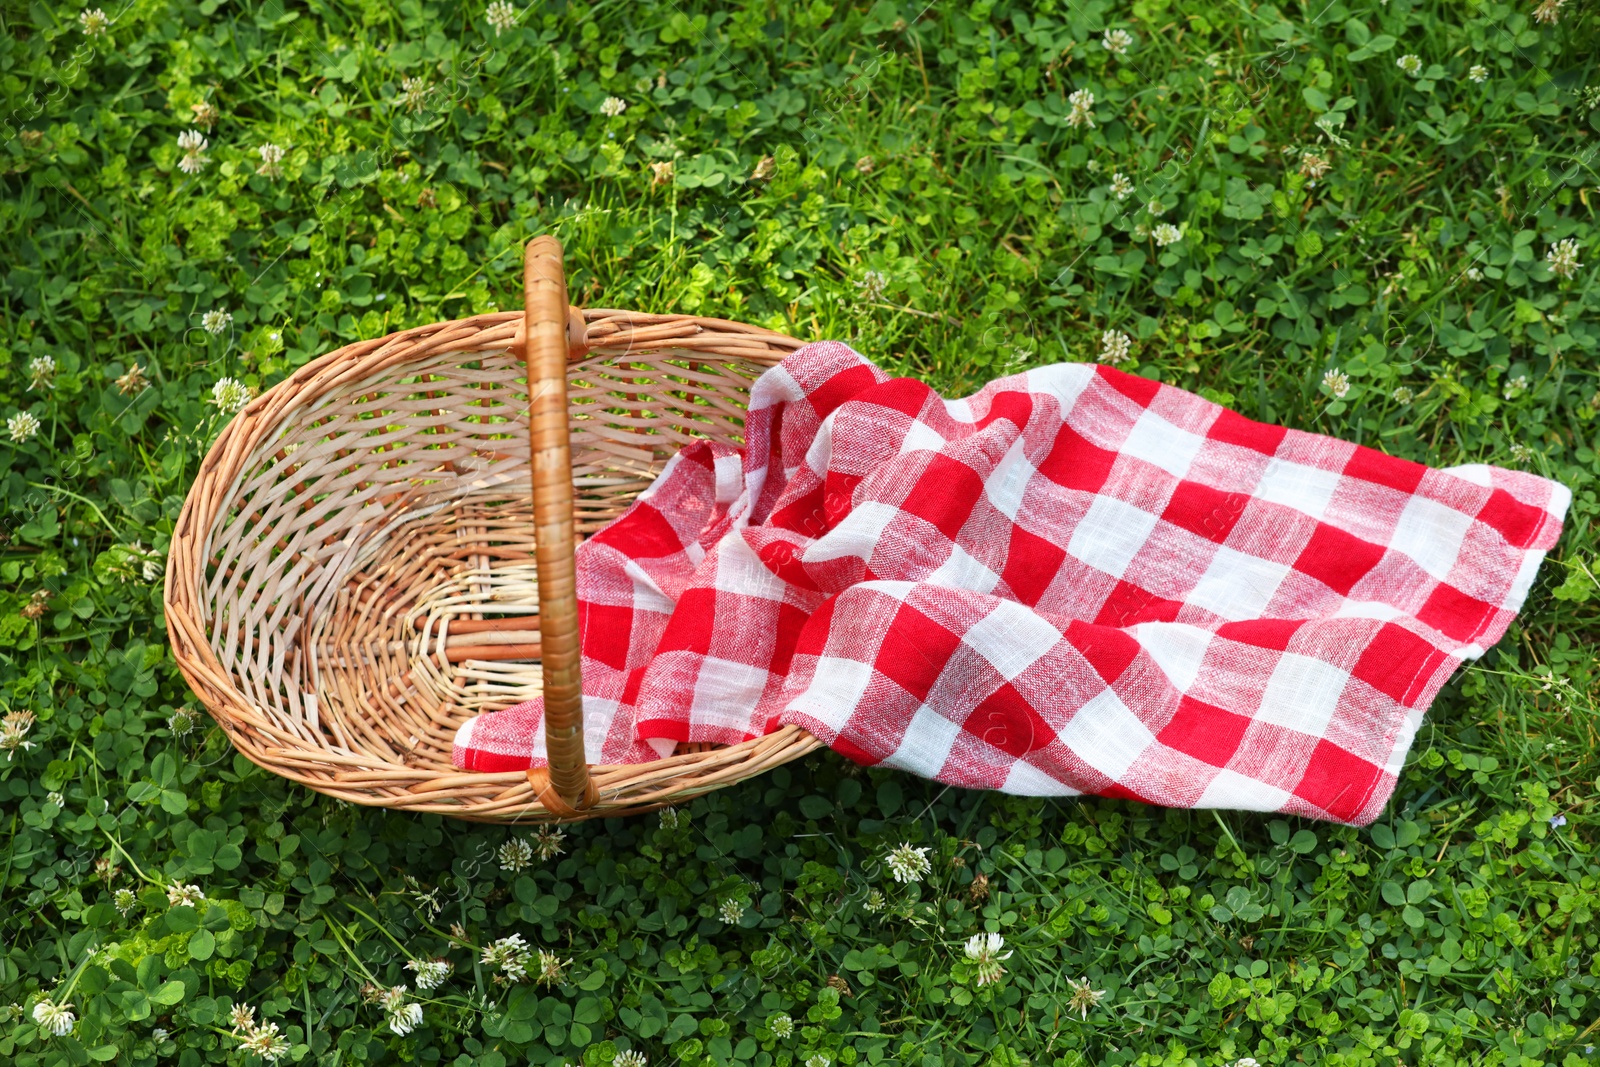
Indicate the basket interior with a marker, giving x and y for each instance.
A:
(405, 496)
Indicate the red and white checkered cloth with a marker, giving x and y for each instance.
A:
(1074, 581)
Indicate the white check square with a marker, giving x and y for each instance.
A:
(921, 437)
(1011, 638)
(1230, 789)
(1177, 648)
(1431, 534)
(1026, 780)
(926, 744)
(1476, 473)
(1238, 586)
(1158, 442)
(1302, 694)
(857, 535)
(961, 571)
(959, 410)
(1065, 381)
(1294, 485)
(727, 684)
(1110, 534)
(836, 687)
(1106, 735)
(1009, 482)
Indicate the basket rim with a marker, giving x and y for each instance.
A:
(507, 794)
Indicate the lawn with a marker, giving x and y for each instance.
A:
(1373, 220)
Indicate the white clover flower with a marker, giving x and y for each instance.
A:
(872, 285)
(1313, 166)
(1478, 73)
(1548, 11)
(124, 900)
(1515, 387)
(57, 799)
(193, 143)
(160, 1034)
(1166, 234)
(1411, 64)
(908, 864)
(22, 426)
(404, 1015)
(13, 729)
(1115, 347)
(501, 15)
(230, 396)
(216, 320)
(430, 973)
(672, 818)
(1117, 42)
(511, 955)
(1245, 1061)
(181, 722)
(150, 569)
(1563, 258)
(178, 894)
(515, 854)
(731, 911)
(56, 1019)
(133, 382)
(782, 1026)
(984, 950)
(1521, 453)
(1473, 274)
(427, 900)
(271, 158)
(1156, 208)
(1084, 996)
(1336, 382)
(613, 106)
(41, 372)
(242, 1018)
(93, 23)
(266, 1042)
(629, 1058)
(1082, 113)
(547, 842)
(875, 901)
(552, 968)
(1121, 186)
(816, 1059)
(405, 1018)
(866, 164)
(1402, 395)
(413, 93)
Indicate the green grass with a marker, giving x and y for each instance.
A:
(1459, 929)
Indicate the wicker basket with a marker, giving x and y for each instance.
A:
(356, 570)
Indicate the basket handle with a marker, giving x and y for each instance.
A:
(565, 787)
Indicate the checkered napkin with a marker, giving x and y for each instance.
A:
(1074, 581)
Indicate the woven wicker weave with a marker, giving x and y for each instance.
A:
(357, 569)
